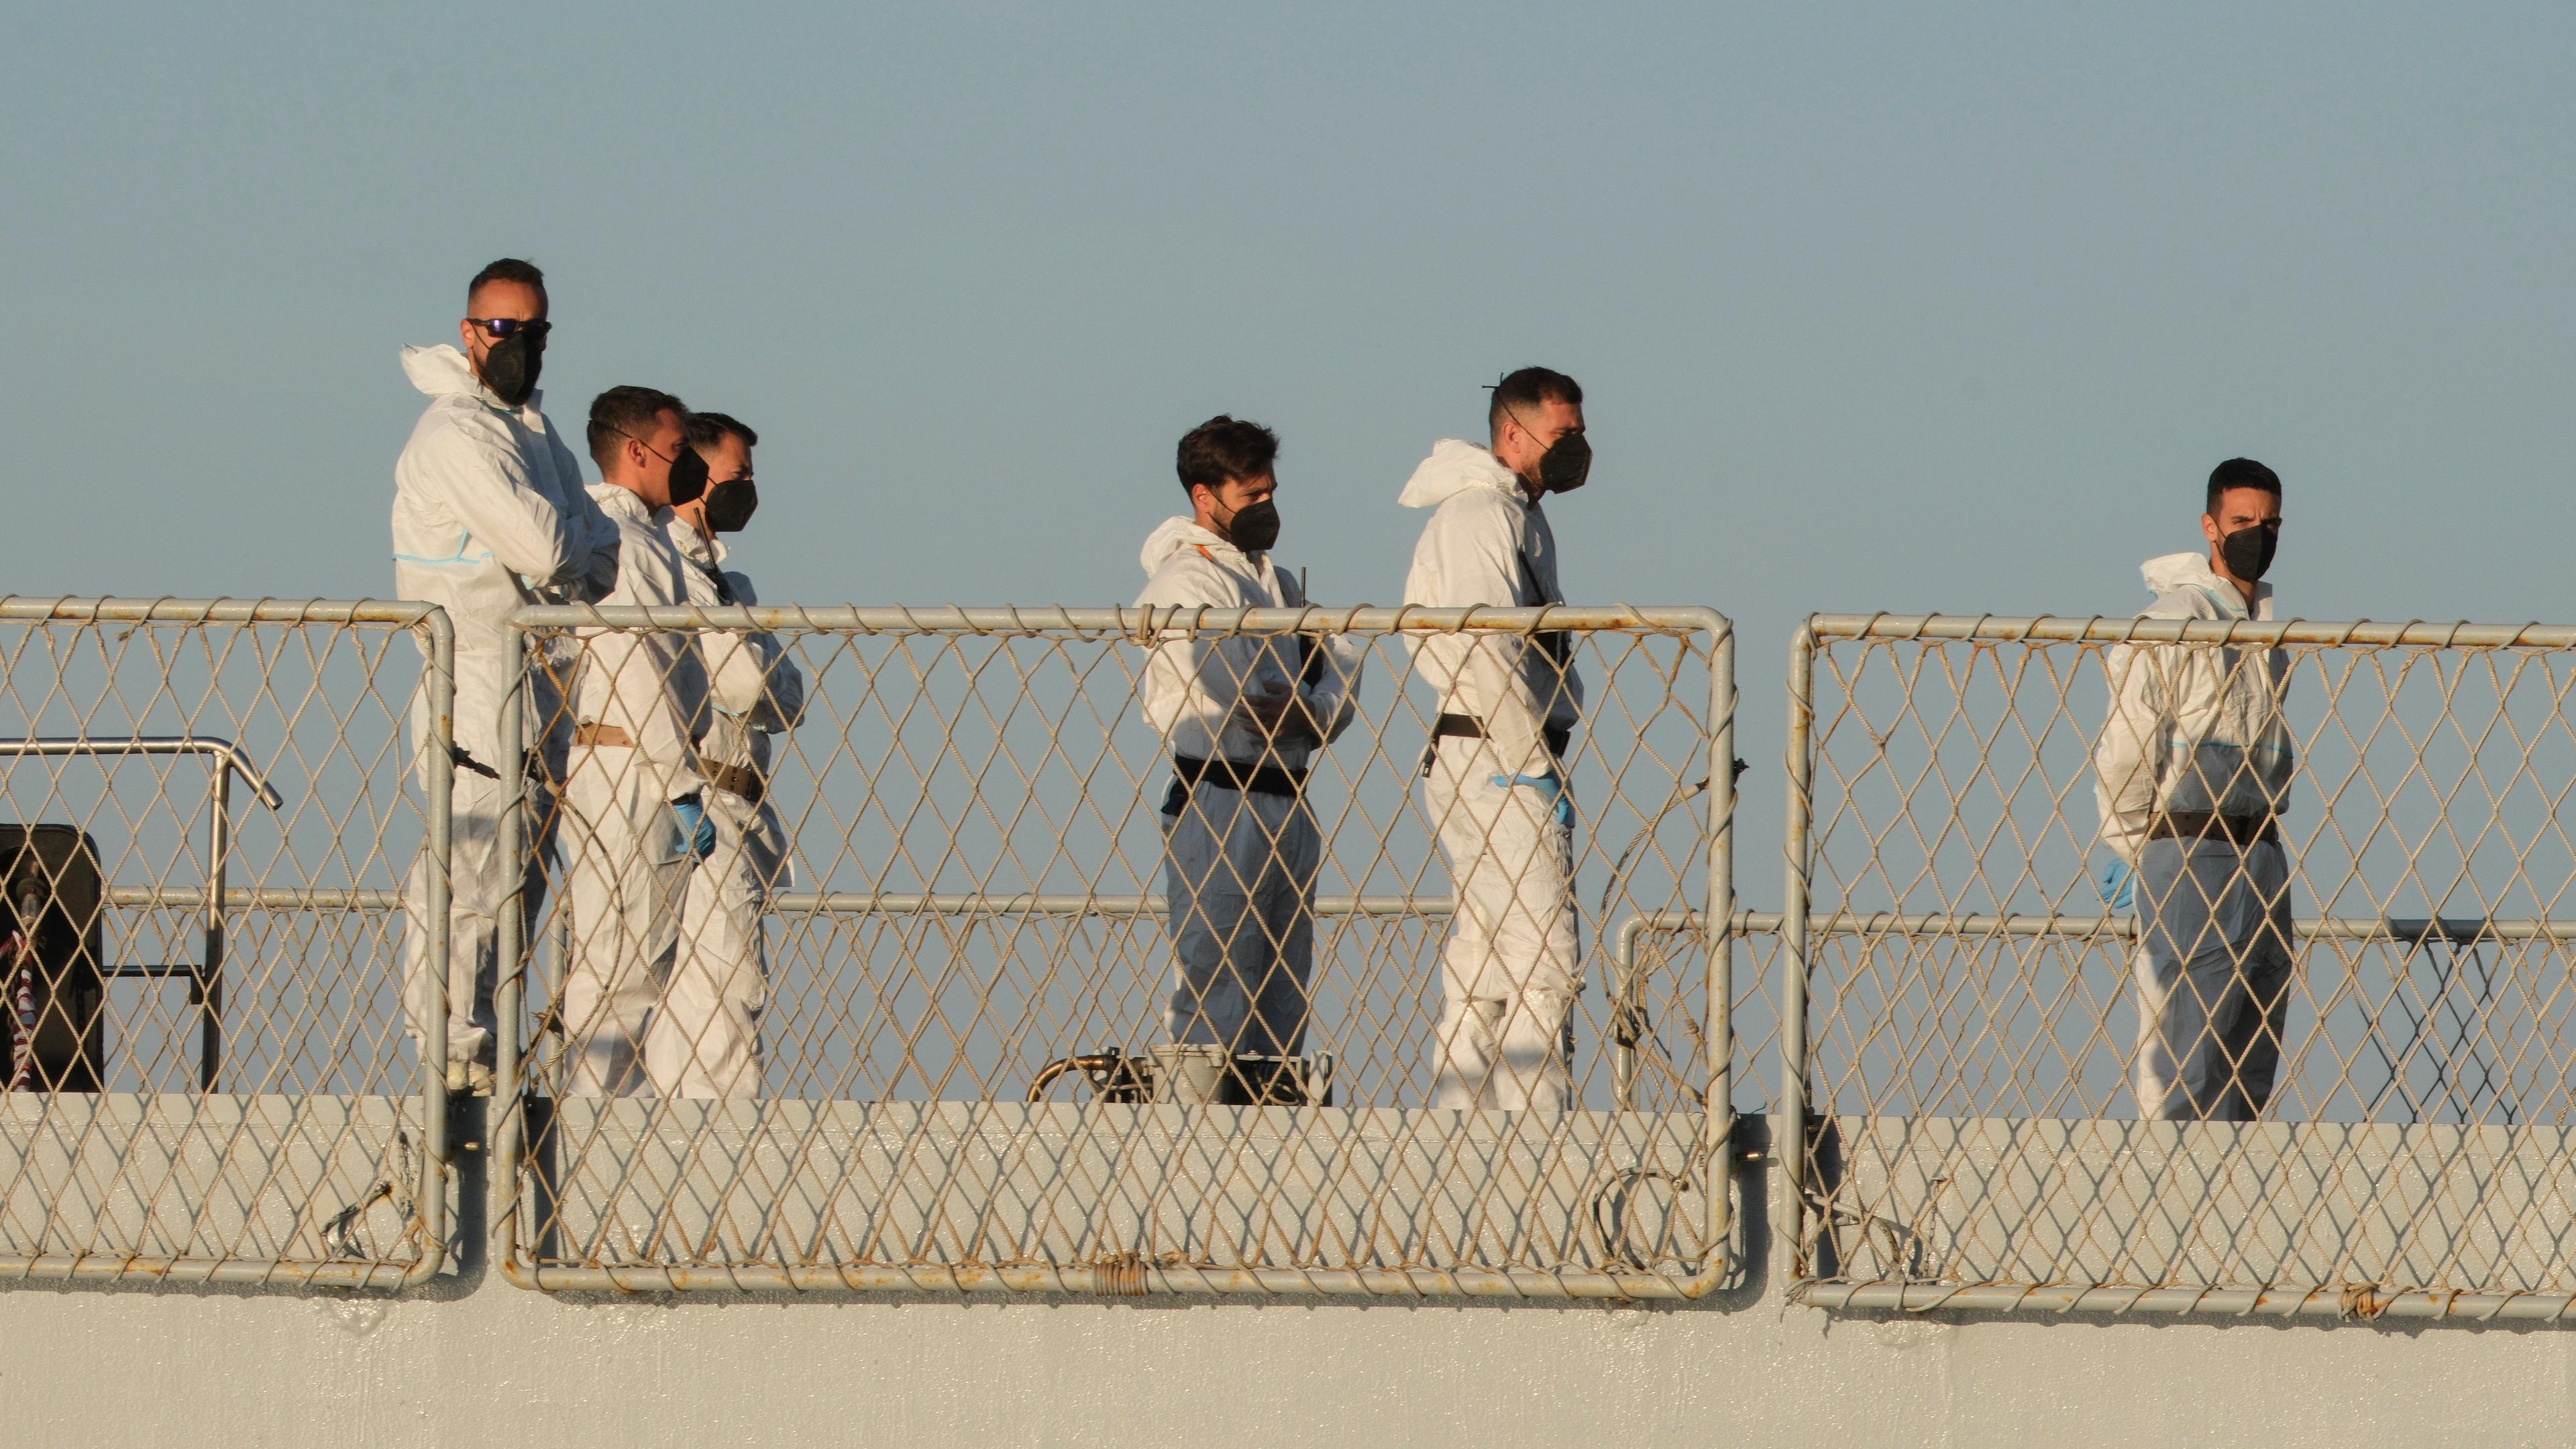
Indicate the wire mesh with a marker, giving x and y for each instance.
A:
(2016, 1094)
(210, 820)
(961, 970)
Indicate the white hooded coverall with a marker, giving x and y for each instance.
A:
(1239, 864)
(628, 860)
(2195, 731)
(1511, 967)
(706, 1037)
(489, 514)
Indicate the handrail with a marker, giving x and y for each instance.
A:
(1142, 622)
(206, 979)
(234, 756)
(2127, 630)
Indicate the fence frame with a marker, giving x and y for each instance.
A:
(1143, 625)
(437, 636)
(1800, 926)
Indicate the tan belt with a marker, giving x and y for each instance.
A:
(732, 779)
(2201, 825)
(739, 780)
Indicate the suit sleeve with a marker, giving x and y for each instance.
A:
(2129, 750)
(1491, 683)
(1187, 680)
(594, 533)
(752, 676)
(1329, 677)
(475, 470)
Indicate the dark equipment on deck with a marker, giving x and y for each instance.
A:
(55, 998)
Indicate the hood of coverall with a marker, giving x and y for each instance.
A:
(1175, 535)
(2170, 572)
(1456, 465)
(442, 371)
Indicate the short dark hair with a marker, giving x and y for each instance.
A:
(1525, 390)
(627, 412)
(2239, 473)
(1224, 447)
(707, 430)
(508, 269)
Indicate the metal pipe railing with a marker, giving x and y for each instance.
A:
(1138, 622)
(2131, 630)
(205, 978)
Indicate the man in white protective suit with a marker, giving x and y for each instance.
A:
(704, 1040)
(1495, 785)
(489, 514)
(2191, 775)
(636, 820)
(1243, 717)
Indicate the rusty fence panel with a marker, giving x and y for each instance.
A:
(2013, 1088)
(925, 1036)
(211, 818)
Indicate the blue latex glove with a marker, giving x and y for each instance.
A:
(695, 827)
(1547, 785)
(2114, 887)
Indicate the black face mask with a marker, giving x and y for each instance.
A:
(1566, 464)
(2248, 551)
(688, 476)
(1253, 529)
(510, 367)
(731, 504)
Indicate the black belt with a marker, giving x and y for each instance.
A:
(1468, 727)
(1250, 779)
(2240, 830)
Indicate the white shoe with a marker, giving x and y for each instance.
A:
(469, 1079)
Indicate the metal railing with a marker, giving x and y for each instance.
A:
(969, 806)
(1971, 1040)
(205, 977)
(298, 1145)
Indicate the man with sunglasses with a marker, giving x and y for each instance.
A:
(635, 798)
(705, 1039)
(489, 514)
(1495, 771)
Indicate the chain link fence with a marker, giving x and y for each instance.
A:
(2311, 1054)
(965, 987)
(210, 822)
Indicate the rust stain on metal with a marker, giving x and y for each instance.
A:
(1119, 1275)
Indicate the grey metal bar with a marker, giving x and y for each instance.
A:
(2356, 1301)
(1401, 1283)
(2410, 930)
(257, 898)
(2412, 634)
(1141, 623)
(208, 992)
(509, 994)
(20, 1267)
(18, 609)
(233, 756)
(908, 903)
(438, 848)
(1717, 1106)
(1789, 1135)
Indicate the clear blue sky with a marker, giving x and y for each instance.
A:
(1894, 307)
